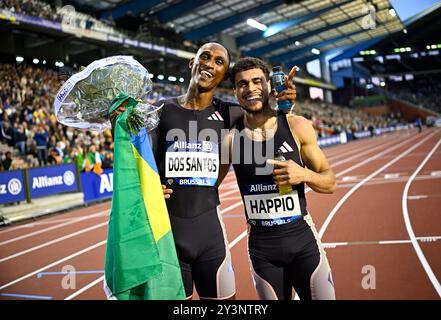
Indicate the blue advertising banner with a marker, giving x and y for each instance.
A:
(97, 187)
(52, 180)
(12, 187)
(329, 141)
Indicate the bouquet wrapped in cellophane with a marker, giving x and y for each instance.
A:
(85, 99)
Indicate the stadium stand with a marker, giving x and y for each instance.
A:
(424, 91)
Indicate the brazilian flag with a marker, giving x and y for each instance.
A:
(141, 261)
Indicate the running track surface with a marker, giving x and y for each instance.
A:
(381, 229)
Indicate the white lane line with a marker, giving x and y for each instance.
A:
(428, 238)
(409, 228)
(223, 194)
(87, 287)
(382, 181)
(96, 245)
(367, 160)
(98, 214)
(43, 245)
(378, 155)
(46, 220)
(235, 205)
(352, 149)
(423, 196)
(232, 198)
(339, 154)
(230, 177)
(358, 155)
(391, 176)
(334, 244)
(435, 173)
(352, 243)
(358, 185)
(238, 238)
(225, 184)
(40, 223)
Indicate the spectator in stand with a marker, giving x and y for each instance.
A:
(6, 133)
(93, 160)
(8, 161)
(54, 157)
(423, 91)
(77, 156)
(41, 140)
(32, 7)
(108, 160)
(19, 138)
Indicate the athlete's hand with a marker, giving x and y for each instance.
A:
(167, 192)
(290, 92)
(288, 172)
(117, 112)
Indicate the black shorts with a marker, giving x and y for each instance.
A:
(290, 256)
(204, 256)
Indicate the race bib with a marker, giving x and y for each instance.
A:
(266, 209)
(192, 163)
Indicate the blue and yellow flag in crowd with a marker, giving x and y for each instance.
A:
(141, 261)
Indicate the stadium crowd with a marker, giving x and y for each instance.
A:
(33, 8)
(329, 119)
(29, 130)
(424, 91)
(28, 124)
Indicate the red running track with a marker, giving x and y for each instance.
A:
(381, 229)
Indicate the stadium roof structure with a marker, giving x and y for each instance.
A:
(418, 48)
(293, 27)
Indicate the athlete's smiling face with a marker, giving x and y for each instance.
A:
(251, 88)
(210, 66)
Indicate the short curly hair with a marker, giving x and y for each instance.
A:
(248, 63)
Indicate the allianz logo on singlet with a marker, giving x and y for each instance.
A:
(263, 188)
(205, 146)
